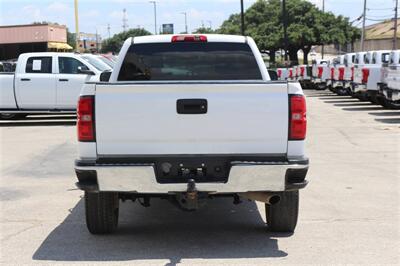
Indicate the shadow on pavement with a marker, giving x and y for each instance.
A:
(386, 113)
(367, 108)
(335, 97)
(222, 230)
(37, 124)
(342, 101)
(48, 120)
(388, 120)
(345, 104)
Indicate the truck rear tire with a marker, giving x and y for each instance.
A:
(282, 216)
(101, 209)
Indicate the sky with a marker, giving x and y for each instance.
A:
(97, 15)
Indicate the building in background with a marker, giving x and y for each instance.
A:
(89, 42)
(378, 36)
(18, 39)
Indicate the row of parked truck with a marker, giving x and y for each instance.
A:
(369, 76)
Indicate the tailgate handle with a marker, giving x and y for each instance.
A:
(191, 106)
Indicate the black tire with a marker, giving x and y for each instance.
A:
(282, 216)
(11, 116)
(390, 104)
(101, 211)
(342, 91)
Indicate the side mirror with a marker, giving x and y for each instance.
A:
(85, 70)
(273, 74)
(105, 76)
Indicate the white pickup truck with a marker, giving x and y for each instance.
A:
(390, 86)
(189, 118)
(348, 71)
(362, 59)
(44, 82)
(320, 73)
(369, 76)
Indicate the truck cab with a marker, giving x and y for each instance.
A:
(45, 82)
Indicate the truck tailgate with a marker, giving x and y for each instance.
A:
(142, 119)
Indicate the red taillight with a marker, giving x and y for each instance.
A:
(332, 73)
(302, 71)
(365, 75)
(290, 73)
(85, 115)
(279, 72)
(320, 70)
(341, 73)
(189, 38)
(352, 73)
(297, 118)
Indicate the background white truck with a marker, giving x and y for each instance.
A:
(44, 82)
(369, 76)
(188, 118)
(390, 86)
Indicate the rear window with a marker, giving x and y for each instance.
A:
(190, 61)
(385, 58)
(366, 59)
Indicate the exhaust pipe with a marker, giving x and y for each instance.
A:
(267, 197)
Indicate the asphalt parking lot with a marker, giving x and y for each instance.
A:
(349, 213)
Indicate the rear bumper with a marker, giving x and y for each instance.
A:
(391, 94)
(336, 84)
(359, 87)
(243, 177)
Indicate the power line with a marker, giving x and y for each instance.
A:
(371, 19)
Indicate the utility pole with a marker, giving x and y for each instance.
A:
(108, 29)
(76, 26)
(186, 28)
(242, 17)
(97, 41)
(155, 16)
(363, 26)
(395, 27)
(124, 20)
(323, 47)
(285, 37)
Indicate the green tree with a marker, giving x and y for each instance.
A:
(204, 30)
(307, 26)
(71, 39)
(114, 43)
(231, 25)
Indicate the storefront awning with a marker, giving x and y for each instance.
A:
(59, 46)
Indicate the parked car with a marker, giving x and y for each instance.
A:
(348, 71)
(320, 74)
(44, 82)
(390, 87)
(97, 62)
(7, 66)
(283, 73)
(107, 60)
(304, 76)
(361, 60)
(173, 122)
(372, 75)
(338, 82)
